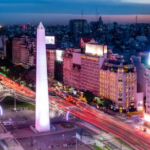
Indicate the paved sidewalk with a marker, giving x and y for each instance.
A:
(9, 141)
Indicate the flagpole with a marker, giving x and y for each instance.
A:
(76, 143)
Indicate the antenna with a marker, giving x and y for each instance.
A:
(97, 13)
(82, 14)
(136, 19)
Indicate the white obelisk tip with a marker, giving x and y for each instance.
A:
(40, 26)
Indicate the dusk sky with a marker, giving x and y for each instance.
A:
(60, 11)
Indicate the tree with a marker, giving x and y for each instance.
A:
(107, 103)
(89, 96)
(100, 101)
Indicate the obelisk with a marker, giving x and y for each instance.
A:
(42, 123)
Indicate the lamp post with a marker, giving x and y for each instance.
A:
(15, 102)
(1, 112)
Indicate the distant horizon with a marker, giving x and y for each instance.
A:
(55, 19)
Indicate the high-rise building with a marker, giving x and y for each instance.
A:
(69, 65)
(91, 63)
(147, 77)
(58, 71)
(9, 49)
(118, 82)
(82, 70)
(144, 74)
(23, 51)
(76, 70)
(141, 63)
(105, 74)
(51, 56)
(100, 22)
(78, 27)
(16, 50)
(42, 123)
(97, 25)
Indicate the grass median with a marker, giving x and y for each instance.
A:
(96, 147)
(8, 103)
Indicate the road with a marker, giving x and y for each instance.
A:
(134, 137)
(56, 140)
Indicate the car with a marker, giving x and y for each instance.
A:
(7, 123)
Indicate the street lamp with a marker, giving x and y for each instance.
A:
(1, 111)
(15, 102)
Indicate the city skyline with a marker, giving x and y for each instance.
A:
(59, 12)
(84, 70)
(52, 19)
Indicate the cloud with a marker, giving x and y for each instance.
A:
(137, 1)
(75, 6)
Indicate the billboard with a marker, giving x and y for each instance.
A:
(50, 40)
(95, 49)
(59, 55)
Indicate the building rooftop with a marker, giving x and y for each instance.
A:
(87, 39)
(114, 64)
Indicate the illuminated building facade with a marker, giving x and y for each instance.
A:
(78, 27)
(118, 82)
(67, 67)
(71, 67)
(51, 55)
(147, 76)
(58, 69)
(147, 79)
(16, 50)
(142, 63)
(23, 51)
(91, 63)
(42, 123)
(75, 76)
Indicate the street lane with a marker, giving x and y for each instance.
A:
(131, 136)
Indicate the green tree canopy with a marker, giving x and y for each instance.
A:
(107, 102)
(100, 101)
(89, 96)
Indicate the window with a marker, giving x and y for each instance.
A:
(120, 94)
(120, 76)
(120, 89)
(119, 99)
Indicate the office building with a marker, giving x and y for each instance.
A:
(78, 27)
(70, 65)
(23, 51)
(58, 71)
(91, 62)
(147, 77)
(118, 82)
(51, 56)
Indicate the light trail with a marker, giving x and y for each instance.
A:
(93, 116)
